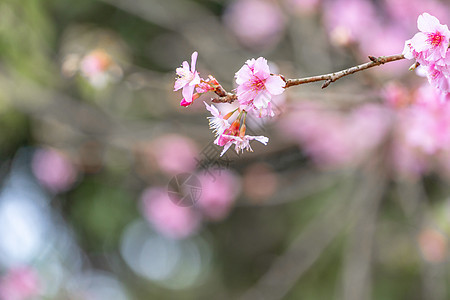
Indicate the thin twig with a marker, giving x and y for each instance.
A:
(332, 77)
(225, 97)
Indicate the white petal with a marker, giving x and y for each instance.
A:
(427, 23)
(226, 147)
(212, 109)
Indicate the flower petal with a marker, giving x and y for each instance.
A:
(275, 85)
(212, 109)
(427, 23)
(262, 68)
(262, 99)
(193, 61)
(196, 80)
(262, 139)
(244, 74)
(419, 42)
(226, 147)
(187, 92)
(180, 83)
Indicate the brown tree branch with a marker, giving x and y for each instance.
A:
(226, 97)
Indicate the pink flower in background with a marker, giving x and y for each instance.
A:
(173, 153)
(188, 79)
(53, 170)
(334, 139)
(168, 219)
(219, 191)
(347, 21)
(256, 85)
(20, 284)
(400, 11)
(256, 23)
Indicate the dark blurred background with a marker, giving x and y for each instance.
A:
(349, 199)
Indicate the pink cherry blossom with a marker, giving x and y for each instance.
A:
(430, 45)
(217, 122)
(256, 85)
(169, 219)
(188, 78)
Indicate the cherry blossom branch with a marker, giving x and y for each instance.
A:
(332, 77)
(226, 97)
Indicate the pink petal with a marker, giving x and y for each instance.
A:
(193, 61)
(419, 42)
(244, 74)
(245, 94)
(275, 85)
(185, 103)
(187, 92)
(196, 79)
(261, 67)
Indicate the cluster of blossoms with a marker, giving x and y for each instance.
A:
(256, 86)
(430, 49)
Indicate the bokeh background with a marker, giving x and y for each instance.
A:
(349, 200)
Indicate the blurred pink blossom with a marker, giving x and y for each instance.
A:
(20, 284)
(168, 219)
(219, 191)
(402, 12)
(256, 23)
(174, 153)
(347, 21)
(333, 138)
(53, 170)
